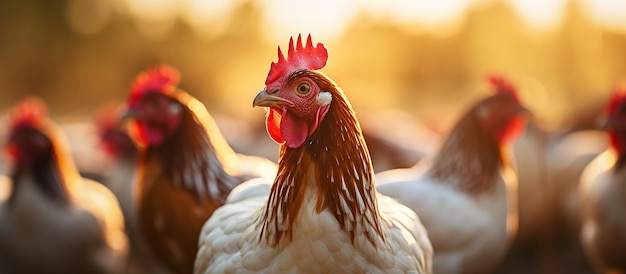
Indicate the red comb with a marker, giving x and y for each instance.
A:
(618, 97)
(157, 79)
(502, 84)
(29, 112)
(307, 57)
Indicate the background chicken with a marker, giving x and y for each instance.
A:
(323, 213)
(465, 197)
(54, 221)
(603, 195)
(117, 173)
(185, 170)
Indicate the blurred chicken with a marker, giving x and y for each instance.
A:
(121, 153)
(466, 197)
(117, 173)
(602, 193)
(185, 170)
(323, 214)
(54, 221)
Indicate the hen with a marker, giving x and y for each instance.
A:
(185, 168)
(323, 214)
(602, 193)
(117, 171)
(54, 221)
(466, 197)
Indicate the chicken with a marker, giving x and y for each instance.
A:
(465, 197)
(54, 221)
(185, 168)
(602, 193)
(567, 158)
(322, 213)
(121, 153)
(118, 172)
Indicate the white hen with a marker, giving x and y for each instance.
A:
(54, 221)
(466, 197)
(323, 214)
(602, 193)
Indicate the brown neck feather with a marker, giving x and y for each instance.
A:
(470, 158)
(194, 156)
(337, 158)
(55, 174)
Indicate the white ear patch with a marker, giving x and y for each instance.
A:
(323, 98)
(174, 108)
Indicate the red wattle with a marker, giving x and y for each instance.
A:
(294, 129)
(272, 124)
(515, 129)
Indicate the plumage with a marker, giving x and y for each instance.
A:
(602, 193)
(465, 195)
(5, 187)
(117, 171)
(322, 212)
(54, 221)
(185, 169)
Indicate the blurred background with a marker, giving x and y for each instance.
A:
(426, 57)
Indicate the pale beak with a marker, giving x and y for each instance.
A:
(607, 124)
(263, 99)
(127, 113)
(524, 111)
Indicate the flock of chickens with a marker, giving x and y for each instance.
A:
(190, 204)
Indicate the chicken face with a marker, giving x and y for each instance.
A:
(152, 103)
(156, 116)
(500, 116)
(295, 94)
(114, 139)
(296, 108)
(28, 146)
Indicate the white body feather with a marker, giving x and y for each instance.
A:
(470, 234)
(229, 242)
(603, 200)
(43, 236)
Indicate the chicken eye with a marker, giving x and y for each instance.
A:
(155, 104)
(303, 89)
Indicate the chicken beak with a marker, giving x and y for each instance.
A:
(525, 112)
(263, 99)
(127, 113)
(607, 124)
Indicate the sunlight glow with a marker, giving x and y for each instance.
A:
(427, 12)
(441, 18)
(610, 14)
(539, 14)
(209, 18)
(328, 19)
(325, 19)
(153, 9)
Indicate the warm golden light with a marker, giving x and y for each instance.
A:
(326, 19)
(209, 18)
(608, 13)
(539, 14)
